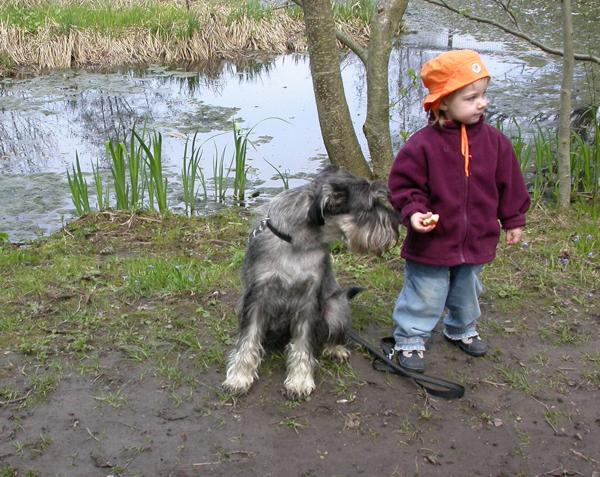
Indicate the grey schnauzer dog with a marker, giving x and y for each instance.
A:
(291, 294)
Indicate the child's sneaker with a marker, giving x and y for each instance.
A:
(474, 345)
(411, 359)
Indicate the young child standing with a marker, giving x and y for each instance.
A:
(456, 182)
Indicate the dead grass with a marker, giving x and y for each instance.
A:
(219, 33)
(217, 37)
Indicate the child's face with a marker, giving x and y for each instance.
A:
(468, 104)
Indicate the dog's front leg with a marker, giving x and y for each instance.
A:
(244, 360)
(300, 382)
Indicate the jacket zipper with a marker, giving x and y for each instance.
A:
(466, 219)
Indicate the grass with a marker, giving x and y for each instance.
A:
(240, 142)
(157, 183)
(254, 10)
(158, 18)
(361, 10)
(116, 399)
(538, 160)
(165, 296)
(79, 188)
(138, 175)
(516, 378)
(191, 171)
(158, 311)
(105, 33)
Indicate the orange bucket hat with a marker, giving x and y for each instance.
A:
(449, 72)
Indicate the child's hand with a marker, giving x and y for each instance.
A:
(423, 223)
(513, 236)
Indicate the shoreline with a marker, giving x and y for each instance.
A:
(216, 37)
(47, 50)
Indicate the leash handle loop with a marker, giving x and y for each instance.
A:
(442, 388)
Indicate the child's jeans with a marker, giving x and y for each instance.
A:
(427, 290)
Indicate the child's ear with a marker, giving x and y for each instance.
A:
(443, 105)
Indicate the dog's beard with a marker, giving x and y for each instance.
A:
(375, 235)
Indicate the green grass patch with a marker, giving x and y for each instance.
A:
(251, 9)
(159, 18)
(348, 10)
(162, 291)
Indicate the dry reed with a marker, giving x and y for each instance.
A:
(217, 37)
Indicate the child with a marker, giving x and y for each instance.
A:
(464, 173)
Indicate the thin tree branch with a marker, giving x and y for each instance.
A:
(508, 11)
(346, 40)
(518, 34)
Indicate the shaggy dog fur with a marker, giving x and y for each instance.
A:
(291, 294)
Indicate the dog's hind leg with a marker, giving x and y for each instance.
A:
(337, 315)
(244, 360)
(300, 381)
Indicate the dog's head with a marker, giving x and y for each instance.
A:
(356, 208)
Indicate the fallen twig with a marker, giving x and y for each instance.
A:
(492, 383)
(556, 432)
(16, 400)
(584, 457)
(91, 434)
(243, 453)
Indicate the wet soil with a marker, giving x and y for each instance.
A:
(380, 425)
(531, 406)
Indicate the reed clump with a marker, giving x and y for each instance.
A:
(68, 33)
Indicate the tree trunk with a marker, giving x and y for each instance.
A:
(377, 125)
(337, 130)
(564, 130)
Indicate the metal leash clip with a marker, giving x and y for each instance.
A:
(262, 225)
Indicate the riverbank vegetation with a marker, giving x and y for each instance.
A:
(137, 180)
(50, 34)
(65, 34)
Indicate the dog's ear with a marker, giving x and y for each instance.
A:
(332, 199)
(315, 212)
(379, 192)
(353, 291)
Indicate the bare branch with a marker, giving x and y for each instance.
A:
(518, 34)
(349, 42)
(346, 40)
(508, 11)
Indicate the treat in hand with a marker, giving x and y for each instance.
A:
(431, 220)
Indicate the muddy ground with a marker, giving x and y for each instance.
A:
(382, 426)
(531, 408)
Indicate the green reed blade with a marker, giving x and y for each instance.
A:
(100, 198)
(79, 188)
(118, 170)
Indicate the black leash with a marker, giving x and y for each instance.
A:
(441, 387)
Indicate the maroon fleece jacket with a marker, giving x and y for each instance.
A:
(428, 175)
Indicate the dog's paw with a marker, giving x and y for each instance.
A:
(237, 383)
(337, 352)
(299, 387)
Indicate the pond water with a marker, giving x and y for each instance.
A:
(45, 120)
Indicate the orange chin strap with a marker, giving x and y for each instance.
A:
(464, 148)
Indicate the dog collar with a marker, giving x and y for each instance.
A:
(266, 223)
